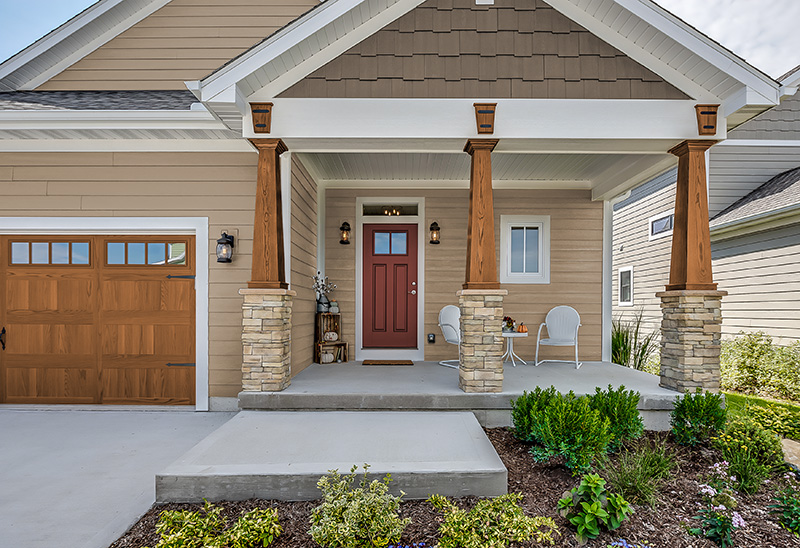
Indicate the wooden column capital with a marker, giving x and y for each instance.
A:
(480, 144)
(690, 264)
(268, 270)
(481, 256)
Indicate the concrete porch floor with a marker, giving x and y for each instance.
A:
(428, 386)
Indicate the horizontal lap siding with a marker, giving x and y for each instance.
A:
(219, 186)
(184, 40)
(735, 171)
(761, 273)
(650, 259)
(304, 264)
(576, 260)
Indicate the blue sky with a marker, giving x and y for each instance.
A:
(765, 32)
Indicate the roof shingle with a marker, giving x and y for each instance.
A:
(778, 193)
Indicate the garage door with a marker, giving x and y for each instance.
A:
(97, 319)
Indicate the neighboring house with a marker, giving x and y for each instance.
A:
(128, 142)
(754, 204)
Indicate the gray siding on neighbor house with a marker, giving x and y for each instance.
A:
(649, 258)
(737, 170)
(761, 273)
(779, 123)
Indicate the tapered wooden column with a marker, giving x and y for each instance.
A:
(268, 261)
(481, 259)
(690, 267)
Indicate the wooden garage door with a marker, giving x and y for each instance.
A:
(97, 319)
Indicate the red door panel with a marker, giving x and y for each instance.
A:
(390, 286)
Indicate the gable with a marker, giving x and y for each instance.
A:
(512, 49)
(778, 123)
(184, 40)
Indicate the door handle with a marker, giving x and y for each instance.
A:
(413, 292)
(3, 338)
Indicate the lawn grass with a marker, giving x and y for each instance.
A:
(789, 413)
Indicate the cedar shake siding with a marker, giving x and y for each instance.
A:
(576, 242)
(184, 40)
(512, 49)
(777, 124)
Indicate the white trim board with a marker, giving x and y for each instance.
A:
(414, 354)
(198, 226)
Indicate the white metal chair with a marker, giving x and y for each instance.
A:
(562, 330)
(450, 323)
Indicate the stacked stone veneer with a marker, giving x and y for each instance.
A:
(690, 339)
(266, 339)
(481, 368)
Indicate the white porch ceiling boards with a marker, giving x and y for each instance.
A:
(416, 170)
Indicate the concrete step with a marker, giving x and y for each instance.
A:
(281, 455)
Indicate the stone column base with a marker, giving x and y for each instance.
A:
(266, 339)
(690, 339)
(481, 366)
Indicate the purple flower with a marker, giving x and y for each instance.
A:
(737, 520)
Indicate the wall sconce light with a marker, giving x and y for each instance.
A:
(434, 232)
(345, 228)
(224, 248)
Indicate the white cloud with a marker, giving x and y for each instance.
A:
(764, 32)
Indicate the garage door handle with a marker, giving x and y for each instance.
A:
(3, 338)
(180, 365)
(170, 276)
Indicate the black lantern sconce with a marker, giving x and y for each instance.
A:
(434, 232)
(225, 248)
(345, 228)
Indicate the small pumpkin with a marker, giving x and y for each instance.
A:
(522, 328)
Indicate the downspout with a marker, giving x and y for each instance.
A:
(608, 241)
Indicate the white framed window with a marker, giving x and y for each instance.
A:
(660, 225)
(525, 249)
(625, 286)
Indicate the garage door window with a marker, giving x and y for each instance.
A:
(49, 253)
(146, 253)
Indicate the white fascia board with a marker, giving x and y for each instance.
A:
(125, 145)
(757, 223)
(529, 119)
(571, 184)
(756, 143)
(283, 40)
(107, 119)
(59, 46)
(703, 46)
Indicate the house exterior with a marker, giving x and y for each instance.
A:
(755, 236)
(137, 133)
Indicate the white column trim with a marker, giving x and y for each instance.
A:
(198, 226)
(286, 212)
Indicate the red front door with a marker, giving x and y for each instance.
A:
(390, 286)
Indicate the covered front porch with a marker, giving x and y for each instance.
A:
(427, 386)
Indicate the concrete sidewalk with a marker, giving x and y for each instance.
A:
(77, 478)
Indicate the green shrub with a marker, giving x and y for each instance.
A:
(629, 345)
(568, 427)
(781, 418)
(492, 523)
(206, 529)
(620, 407)
(356, 517)
(744, 435)
(527, 407)
(752, 364)
(788, 509)
(590, 507)
(639, 473)
(697, 417)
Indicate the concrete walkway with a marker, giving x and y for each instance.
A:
(77, 478)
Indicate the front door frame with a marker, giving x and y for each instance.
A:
(196, 226)
(415, 354)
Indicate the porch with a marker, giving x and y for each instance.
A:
(427, 386)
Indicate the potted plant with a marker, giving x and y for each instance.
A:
(322, 287)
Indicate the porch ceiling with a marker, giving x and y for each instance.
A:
(448, 170)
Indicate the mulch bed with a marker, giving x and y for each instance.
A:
(542, 484)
